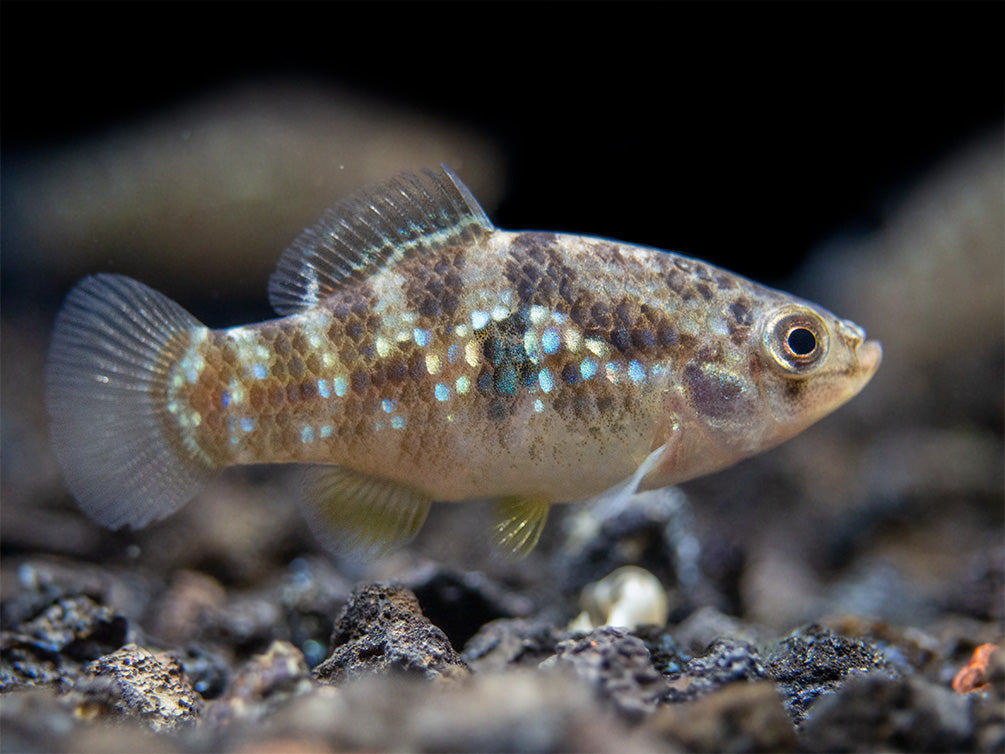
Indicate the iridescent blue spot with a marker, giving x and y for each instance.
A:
(387, 405)
(484, 382)
(307, 434)
(505, 379)
(453, 352)
(550, 340)
(324, 388)
(538, 406)
(588, 368)
(397, 422)
(421, 337)
(544, 378)
(441, 391)
(326, 430)
(225, 399)
(247, 423)
(636, 371)
(258, 371)
(339, 385)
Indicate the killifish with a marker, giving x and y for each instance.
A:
(423, 354)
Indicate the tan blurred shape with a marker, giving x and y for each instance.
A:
(215, 189)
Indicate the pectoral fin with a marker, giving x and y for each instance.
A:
(519, 523)
(362, 514)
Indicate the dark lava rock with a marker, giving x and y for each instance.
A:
(725, 661)
(668, 657)
(50, 647)
(813, 661)
(382, 629)
(264, 682)
(617, 664)
(747, 717)
(207, 670)
(133, 682)
(874, 712)
(503, 644)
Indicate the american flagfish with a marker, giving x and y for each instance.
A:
(422, 354)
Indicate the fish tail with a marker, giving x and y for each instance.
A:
(110, 361)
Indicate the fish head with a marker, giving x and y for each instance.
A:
(812, 362)
(795, 364)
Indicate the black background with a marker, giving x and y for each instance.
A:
(741, 133)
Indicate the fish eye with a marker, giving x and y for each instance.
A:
(795, 339)
(801, 341)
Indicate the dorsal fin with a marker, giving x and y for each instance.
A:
(370, 230)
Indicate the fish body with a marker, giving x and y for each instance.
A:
(426, 355)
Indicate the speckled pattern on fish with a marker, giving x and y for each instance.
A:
(426, 355)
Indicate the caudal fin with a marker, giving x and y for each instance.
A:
(110, 358)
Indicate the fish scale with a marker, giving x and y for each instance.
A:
(426, 355)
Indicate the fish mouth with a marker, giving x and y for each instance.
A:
(870, 354)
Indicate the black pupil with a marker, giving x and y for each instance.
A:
(801, 341)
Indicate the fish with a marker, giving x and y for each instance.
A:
(421, 354)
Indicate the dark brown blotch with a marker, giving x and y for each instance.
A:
(417, 366)
(713, 394)
(643, 339)
(537, 270)
(570, 374)
(257, 398)
(724, 282)
(668, 337)
(535, 245)
(580, 311)
(621, 340)
(678, 283)
(358, 379)
(687, 341)
(397, 371)
(794, 389)
(354, 330)
(433, 287)
(623, 313)
(741, 313)
(281, 344)
(600, 315)
(498, 410)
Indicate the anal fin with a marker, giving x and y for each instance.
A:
(355, 513)
(519, 523)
